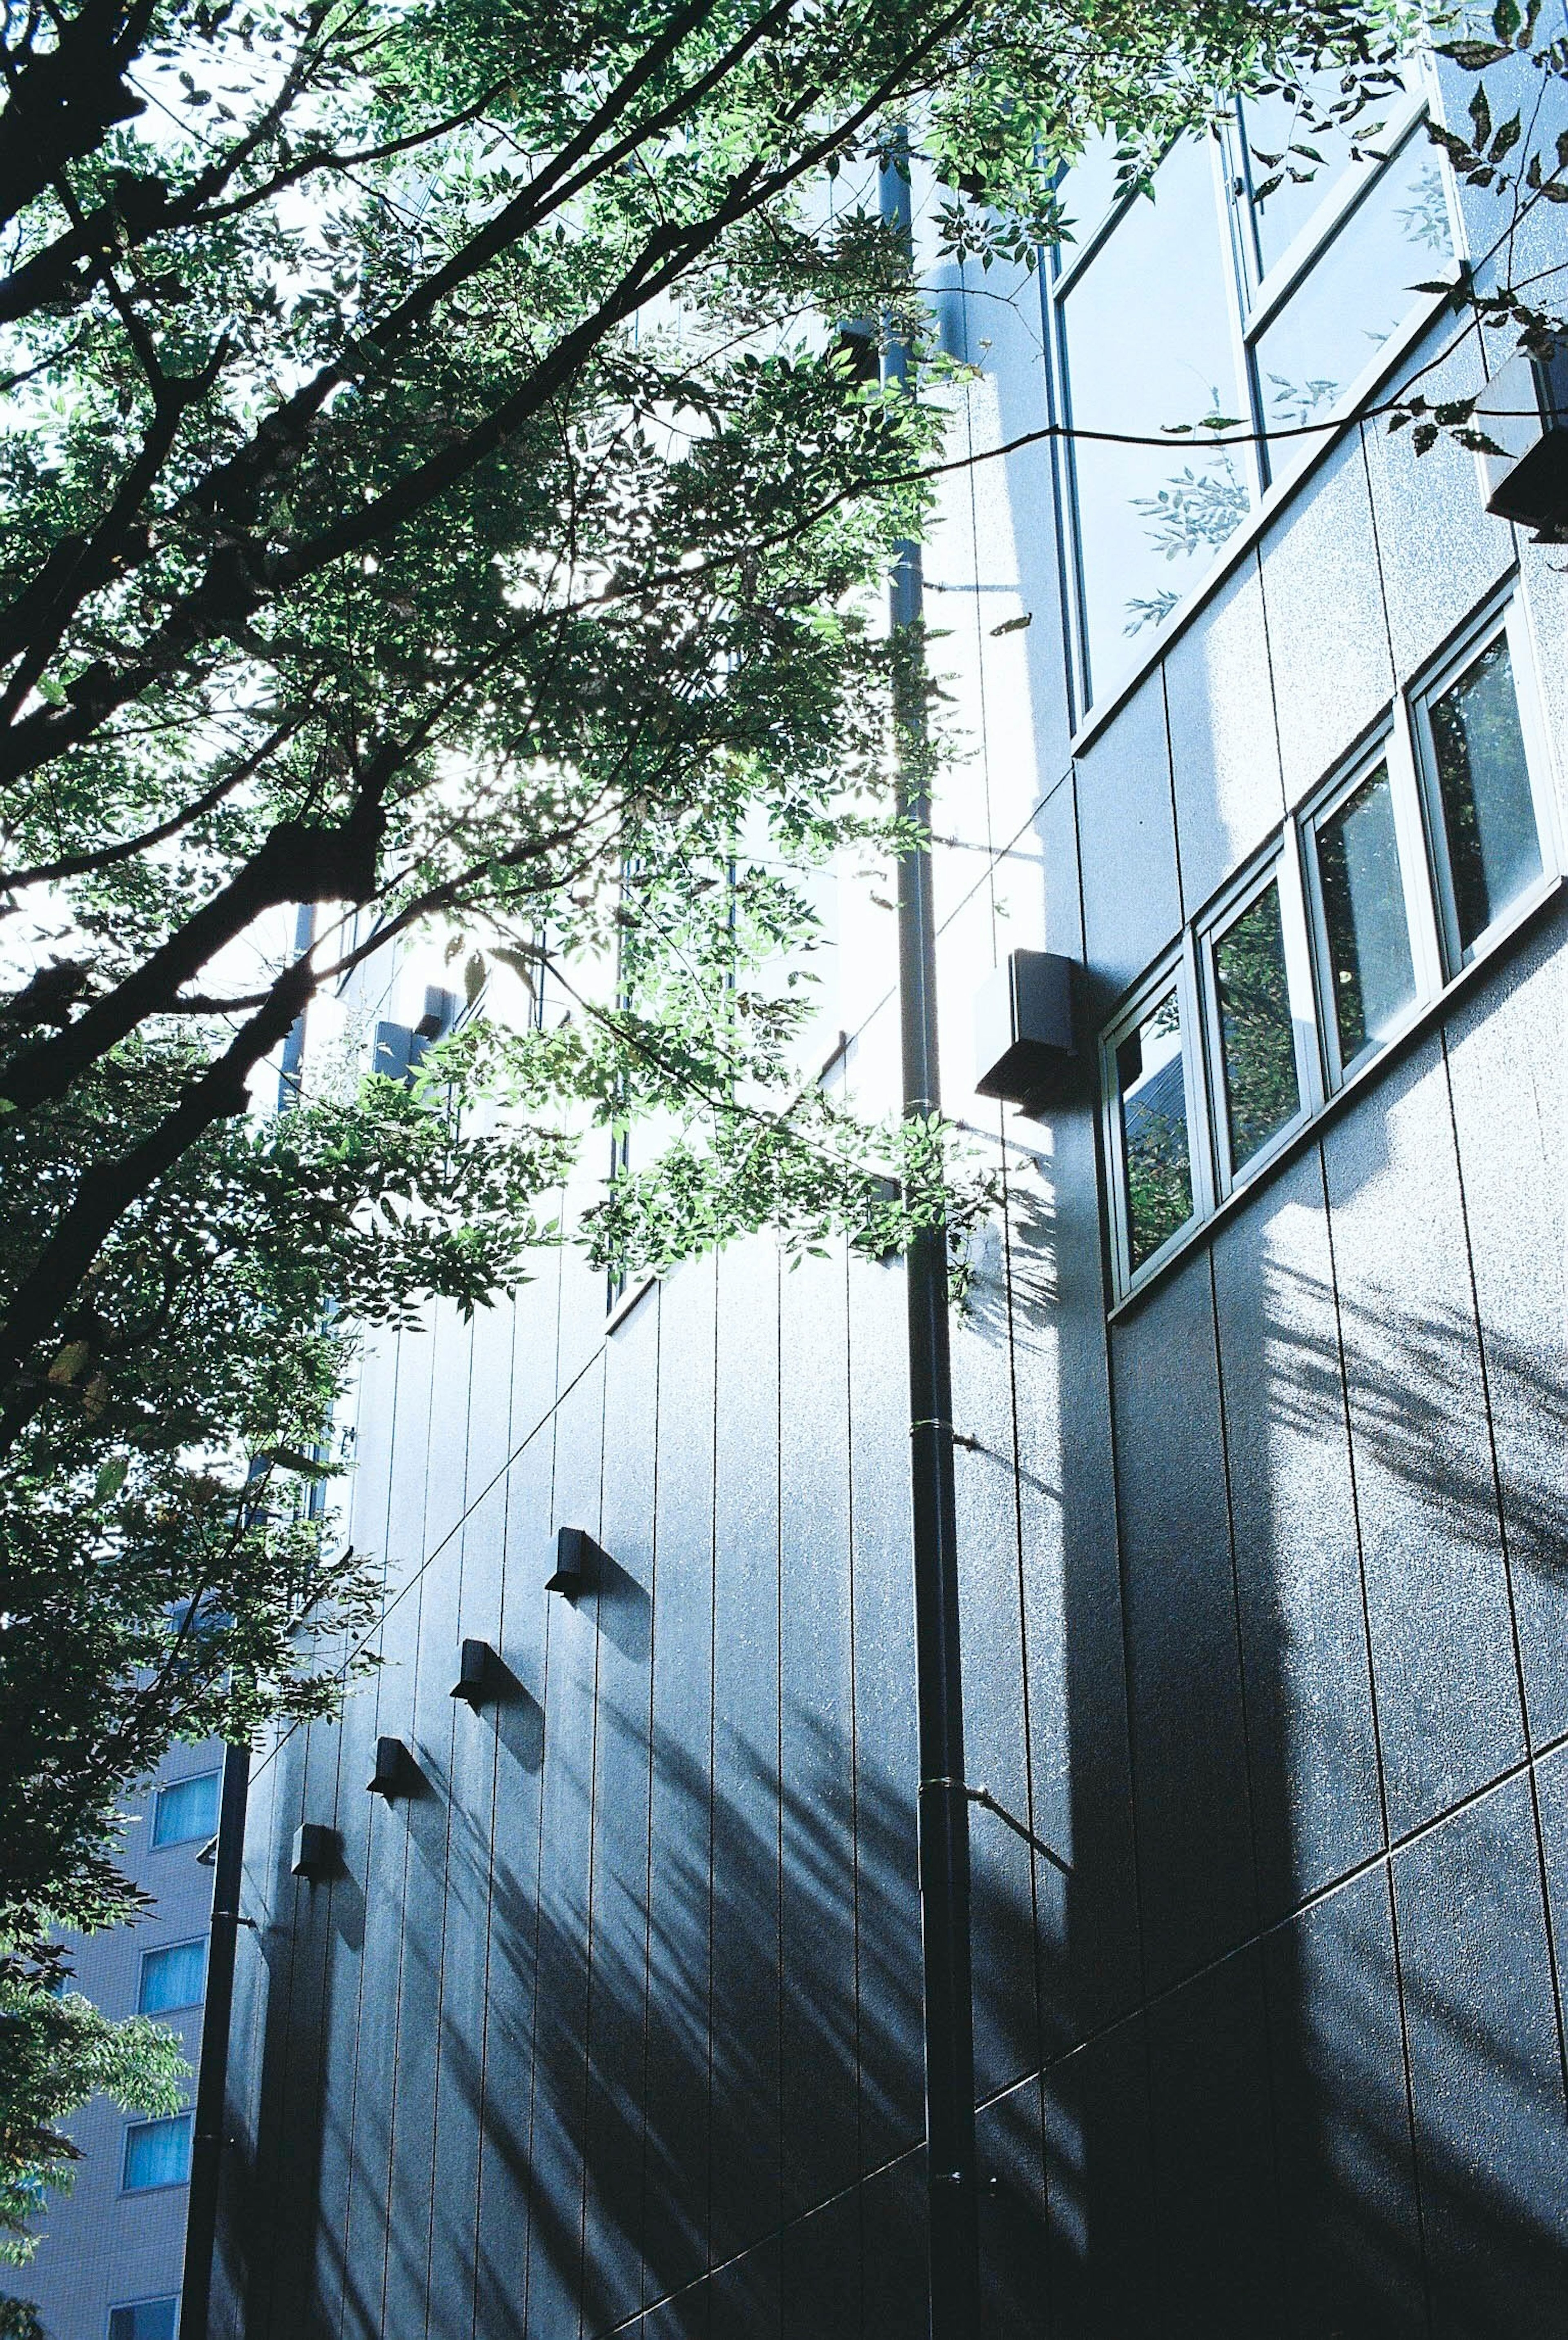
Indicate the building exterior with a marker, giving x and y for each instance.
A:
(110, 2257)
(611, 2023)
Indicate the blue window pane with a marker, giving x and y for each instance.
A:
(1355, 297)
(145, 2319)
(157, 2153)
(174, 1977)
(1494, 847)
(1148, 342)
(186, 1810)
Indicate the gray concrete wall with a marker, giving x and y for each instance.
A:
(100, 2246)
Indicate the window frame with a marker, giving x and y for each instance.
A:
(1388, 749)
(181, 2006)
(1278, 864)
(1501, 618)
(162, 2184)
(1177, 968)
(1323, 231)
(1254, 303)
(155, 1843)
(1265, 291)
(1290, 852)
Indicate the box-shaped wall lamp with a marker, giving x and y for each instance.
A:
(577, 1563)
(1024, 1044)
(316, 1851)
(1523, 411)
(440, 1013)
(479, 1675)
(396, 1772)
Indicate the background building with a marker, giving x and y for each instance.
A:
(612, 2024)
(110, 2257)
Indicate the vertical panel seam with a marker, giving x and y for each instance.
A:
(1270, 2098)
(446, 1845)
(351, 2163)
(1508, 1564)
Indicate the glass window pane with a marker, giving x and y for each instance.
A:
(1152, 1091)
(157, 2153)
(145, 2319)
(1364, 919)
(186, 1810)
(174, 1977)
(1354, 297)
(1148, 341)
(1088, 191)
(1494, 847)
(1262, 1090)
(1291, 168)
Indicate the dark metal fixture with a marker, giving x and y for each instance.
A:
(479, 1675)
(578, 1562)
(1524, 411)
(440, 1013)
(396, 1772)
(316, 1851)
(1023, 1046)
(951, 2175)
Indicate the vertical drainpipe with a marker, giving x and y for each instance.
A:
(213, 2072)
(944, 1813)
(228, 1870)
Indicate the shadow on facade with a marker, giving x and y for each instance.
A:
(1246, 2075)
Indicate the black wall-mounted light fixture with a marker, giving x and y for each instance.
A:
(1025, 1049)
(578, 1561)
(481, 1675)
(396, 1772)
(317, 1852)
(1523, 411)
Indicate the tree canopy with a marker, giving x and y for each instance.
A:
(436, 487)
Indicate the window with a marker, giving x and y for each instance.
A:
(1253, 1029)
(1480, 799)
(1287, 169)
(1258, 284)
(145, 2319)
(1151, 1128)
(1147, 342)
(157, 2153)
(1365, 968)
(1413, 860)
(174, 1976)
(186, 1810)
(1323, 337)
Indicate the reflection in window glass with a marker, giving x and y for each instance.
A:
(157, 2153)
(1089, 190)
(1356, 295)
(1494, 849)
(1261, 1091)
(1365, 927)
(1148, 342)
(1292, 168)
(1151, 1087)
